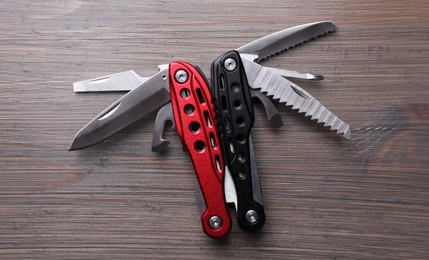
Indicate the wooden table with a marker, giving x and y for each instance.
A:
(325, 197)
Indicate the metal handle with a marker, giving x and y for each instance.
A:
(235, 110)
(195, 123)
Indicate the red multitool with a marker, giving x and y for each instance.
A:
(191, 111)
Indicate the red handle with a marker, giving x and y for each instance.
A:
(195, 121)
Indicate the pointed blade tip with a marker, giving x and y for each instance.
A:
(74, 146)
(347, 134)
(334, 27)
(79, 142)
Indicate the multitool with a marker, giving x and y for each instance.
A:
(215, 120)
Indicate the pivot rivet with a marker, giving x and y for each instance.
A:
(230, 64)
(215, 222)
(251, 216)
(181, 76)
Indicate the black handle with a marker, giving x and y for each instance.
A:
(234, 109)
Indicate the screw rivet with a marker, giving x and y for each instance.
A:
(230, 64)
(181, 76)
(215, 222)
(251, 216)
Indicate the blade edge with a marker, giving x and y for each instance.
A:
(283, 90)
(280, 41)
(121, 81)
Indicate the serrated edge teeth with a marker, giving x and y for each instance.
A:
(284, 91)
(311, 108)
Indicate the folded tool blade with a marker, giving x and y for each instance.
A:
(148, 97)
(280, 41)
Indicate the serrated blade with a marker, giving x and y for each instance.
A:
(285, 91)
(282, 40)
(137, 103)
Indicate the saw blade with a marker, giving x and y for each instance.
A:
(285, 91)
(282, 40)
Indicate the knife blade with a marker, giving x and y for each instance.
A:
(148, 97)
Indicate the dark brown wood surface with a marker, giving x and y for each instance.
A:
(325, 197)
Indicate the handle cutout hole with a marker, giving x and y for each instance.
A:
(222, 82)
(207, 118)
(240, 121)
(200, 96)
(212, 140)
(218, 164)
(227, 125)
(231, 146)
(194, 127)
(237, 104)
(242, 175)
(185, 93)
(199, 146)
(189, 109)
(241, 138)
(241, 157)
(235, 87)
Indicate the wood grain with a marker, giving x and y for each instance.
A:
(325, 198)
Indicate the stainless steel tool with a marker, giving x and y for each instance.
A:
(237, 78)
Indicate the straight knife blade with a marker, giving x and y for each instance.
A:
(148, 97)
(282, 40)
